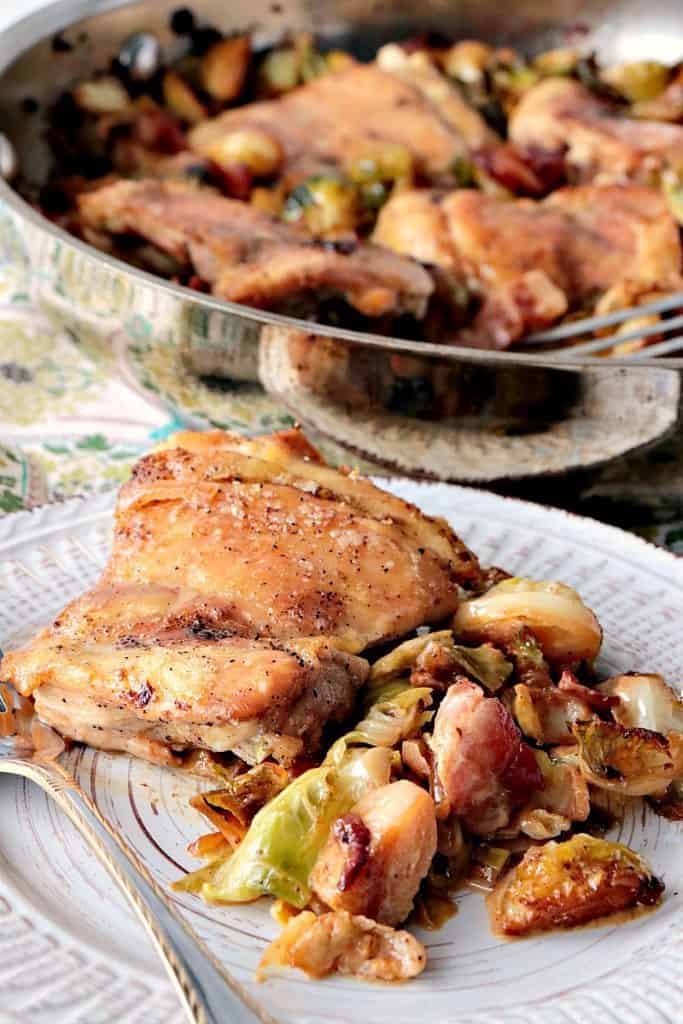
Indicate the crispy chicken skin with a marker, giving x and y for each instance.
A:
(530, 262)
(377, 855)
(599, 143)
(181, 688)
(245, 577)
(337, 115)
(294, 551)
(249, 257)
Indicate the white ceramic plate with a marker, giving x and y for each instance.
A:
(70, 951)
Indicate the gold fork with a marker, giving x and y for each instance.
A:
(208, 994)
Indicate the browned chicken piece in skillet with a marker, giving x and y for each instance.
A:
(401, 99)
(245, 578)
(530, 262)
(485, 148)
(250, 257)
(600, 143)
(338, 115)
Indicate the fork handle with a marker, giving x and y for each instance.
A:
(207, 995)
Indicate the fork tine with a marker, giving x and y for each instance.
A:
(597, 323)
(598, 344)
(662, 348)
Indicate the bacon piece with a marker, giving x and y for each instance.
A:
(483, 767)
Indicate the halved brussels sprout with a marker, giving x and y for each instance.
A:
(638, 80)
(566, 630)
(468, 60)
(560, 885)
(435, 660)
(546, 714)
(636, 762)
(324, 204)
(645, 702)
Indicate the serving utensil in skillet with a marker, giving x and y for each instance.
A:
(208, 995)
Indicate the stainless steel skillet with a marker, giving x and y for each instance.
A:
(513, 414)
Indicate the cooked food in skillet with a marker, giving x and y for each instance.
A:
(531, 262)
(278, 178)
(382, 720)
(599, 141)
(249, 257)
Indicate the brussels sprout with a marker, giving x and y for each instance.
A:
(247, 793)
(561, 885)
(400, 660)
(546, 714)
(639, 80)
(279, 71)
(531, 668)
(468, 60)
(636, 762)
(564, 794)
(325, 204)
(645, 702)
(437, 660)
(384, 162)
(510, 82)
(285, 837)
(392, 717)
(566, 630)
(463, 173)
(283, 842)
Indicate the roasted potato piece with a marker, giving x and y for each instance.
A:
(567, 631)
(106, 95)
(225, 66)
(346, 944)
(258, 150)
(377, 855)
(636, 762)
(181, 99)
(560, 885)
